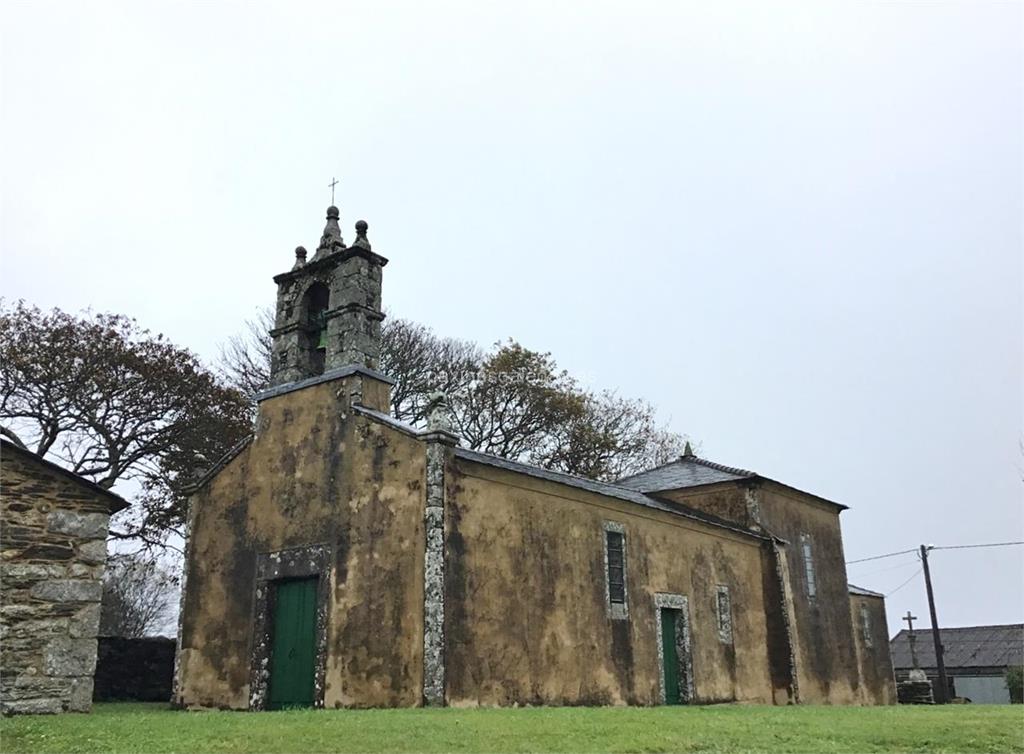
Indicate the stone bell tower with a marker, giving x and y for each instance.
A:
(328, 308)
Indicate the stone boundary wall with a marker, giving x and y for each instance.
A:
(139, 669)
(53, 550)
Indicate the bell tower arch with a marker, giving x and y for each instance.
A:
(328, 308)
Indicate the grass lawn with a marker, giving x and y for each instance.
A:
(725, 728)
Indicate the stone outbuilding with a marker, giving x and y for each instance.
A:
(53, 550)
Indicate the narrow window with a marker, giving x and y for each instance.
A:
(865, 625)
(616, 568)
(805, 544)
(724, 609)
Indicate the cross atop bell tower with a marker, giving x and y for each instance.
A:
(329, 308)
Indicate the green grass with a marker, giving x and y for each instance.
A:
(725, 728)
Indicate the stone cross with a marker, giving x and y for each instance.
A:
(331, 185)
(911, 637)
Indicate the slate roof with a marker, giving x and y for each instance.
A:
(862, 592)
(687, 471)
(970, 647)
(691, 471)
(600, 488)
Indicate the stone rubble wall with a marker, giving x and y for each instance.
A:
(52, 554)
(138, 670)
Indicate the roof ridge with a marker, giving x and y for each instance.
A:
(693, 459)
(721, 466)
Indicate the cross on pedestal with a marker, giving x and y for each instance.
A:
(910, 621)
(331, 185)
(911, 637)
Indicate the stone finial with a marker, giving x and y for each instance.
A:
(361, 240)
(332, 231)
(687, 450)
(439, 414)
(300, 257)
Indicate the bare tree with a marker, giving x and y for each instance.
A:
(137, 596)
(509, 401)
(244, 361)
(113, 402)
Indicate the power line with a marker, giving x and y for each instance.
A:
(879, 557)
(916, 574)
(944, 547)
(968, 547)
(904, 564)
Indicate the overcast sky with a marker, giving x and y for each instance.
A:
(795, 229)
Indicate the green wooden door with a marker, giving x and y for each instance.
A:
(292, 657)
(670, 655)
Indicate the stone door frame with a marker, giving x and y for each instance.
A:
(681, 603)
(292, 563)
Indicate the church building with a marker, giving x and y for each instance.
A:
(340, 558)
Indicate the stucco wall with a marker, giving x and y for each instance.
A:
(877, 682)
(315, 474)
(826, 658)
(727, 501)
(53, 550)
(526, 612)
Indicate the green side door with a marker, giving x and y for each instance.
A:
(292, 656)
(670, 655)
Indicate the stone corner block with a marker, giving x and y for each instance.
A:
(93, 551)
(73, 523)
(70, 657)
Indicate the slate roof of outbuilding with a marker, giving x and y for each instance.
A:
(862, 592)
(968, 647)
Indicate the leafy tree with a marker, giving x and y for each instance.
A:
(115, 403)
(137, 596)
(1015, 683)
(509, 401)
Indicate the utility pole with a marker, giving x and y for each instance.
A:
(942, 693)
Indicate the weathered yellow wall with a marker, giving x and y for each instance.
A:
(526, 619)
(877, 682)
(727, 501)
(315, 473)
(823, 641)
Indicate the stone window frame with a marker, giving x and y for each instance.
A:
(280, 565)
(723, 618)
(615, 610)
(678, 602)
(810, 577)
(865, 626)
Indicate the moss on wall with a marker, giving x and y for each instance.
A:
(316, 473)
(527, 619)
(822, 635)
(871, 639)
